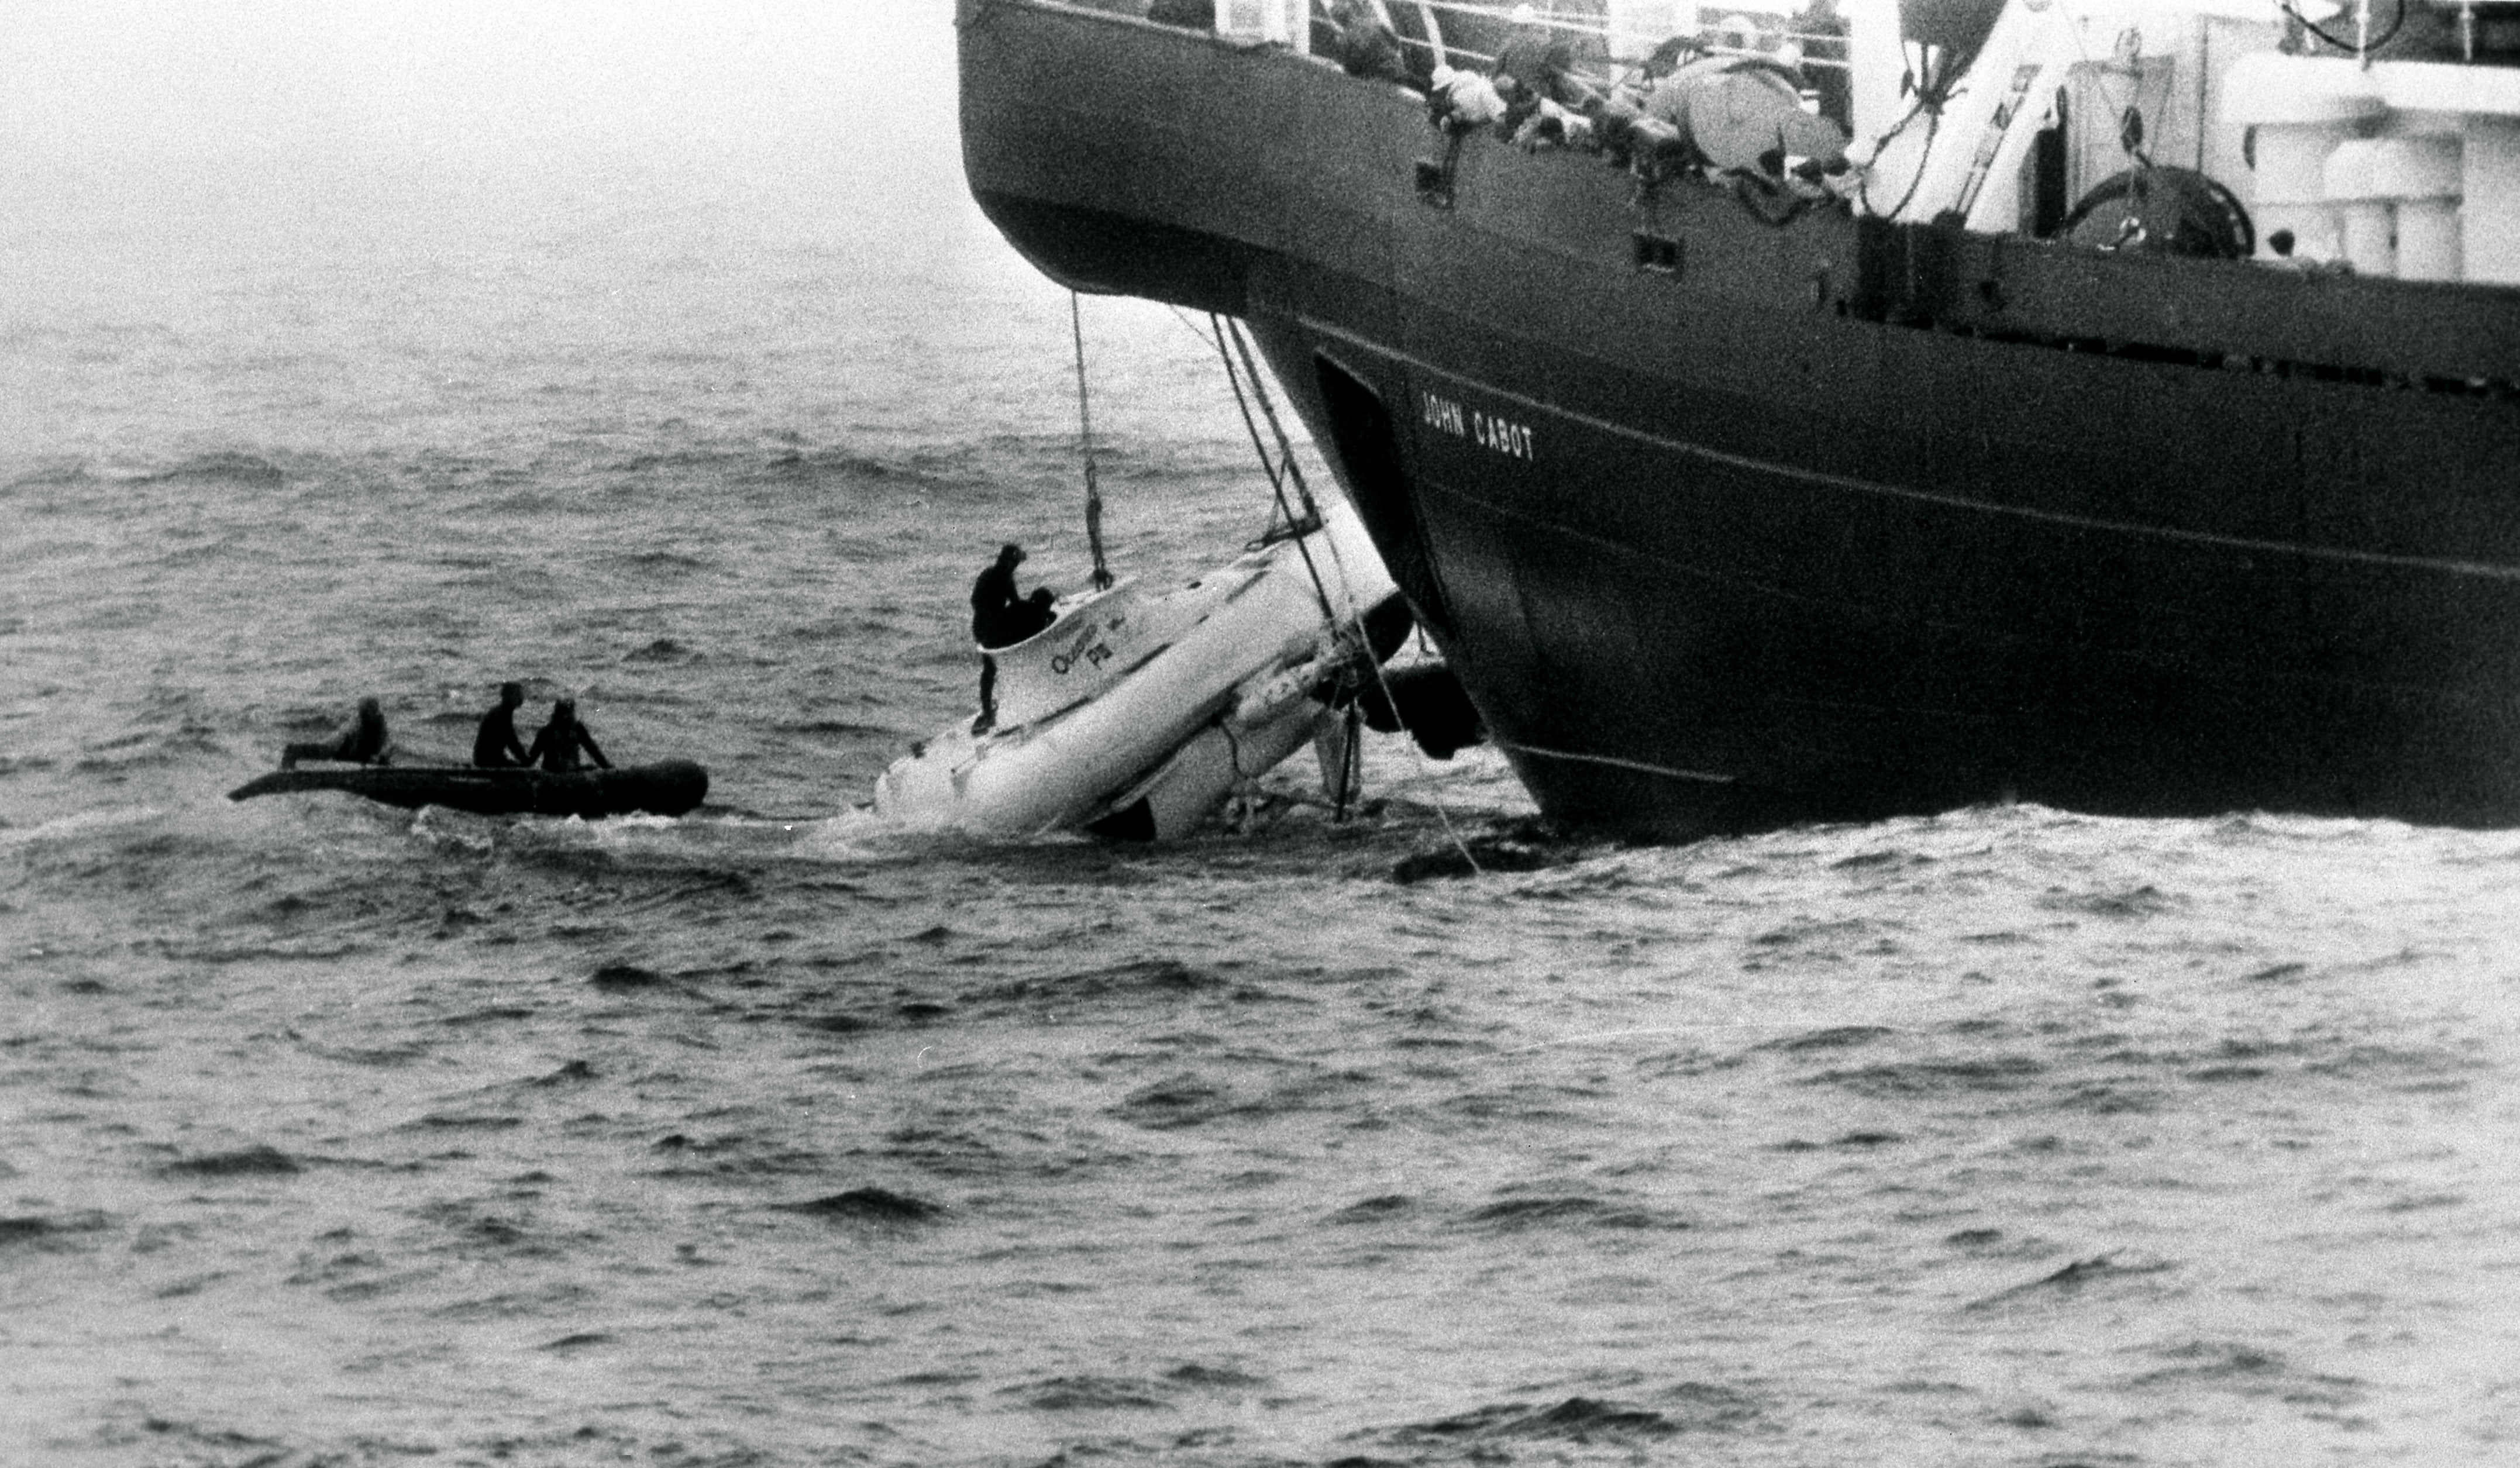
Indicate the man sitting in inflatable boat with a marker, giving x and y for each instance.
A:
(363, 742)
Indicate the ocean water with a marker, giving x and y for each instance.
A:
(334, 1135)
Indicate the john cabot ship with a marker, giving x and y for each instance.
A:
(2135, 430)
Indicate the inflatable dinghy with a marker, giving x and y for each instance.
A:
(669, 788)
(1135, 714)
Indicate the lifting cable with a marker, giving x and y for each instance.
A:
(1280, 471)
(1363, 646)
(1932, 109)
(1276, 485)
(1085, 440)
(1285, 448)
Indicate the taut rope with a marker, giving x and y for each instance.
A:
(1085, 438)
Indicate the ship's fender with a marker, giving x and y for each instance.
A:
(1427, 700)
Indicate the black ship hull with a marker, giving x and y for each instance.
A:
(1725, 523)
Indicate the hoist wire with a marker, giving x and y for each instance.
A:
(1362, 645)
(1286, 447)
(1251, 425)
(1276, 486)
(1085, 438)
(1276, 482)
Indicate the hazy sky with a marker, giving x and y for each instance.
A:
(86, 81)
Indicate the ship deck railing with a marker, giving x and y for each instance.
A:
(1611, 40)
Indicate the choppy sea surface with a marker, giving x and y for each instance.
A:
(336, 1135)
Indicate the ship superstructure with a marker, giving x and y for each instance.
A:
(2133, 431)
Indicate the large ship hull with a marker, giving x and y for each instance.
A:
(1725, 523)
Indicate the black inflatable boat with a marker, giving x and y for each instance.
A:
(668, 788)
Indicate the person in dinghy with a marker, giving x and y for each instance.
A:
(559, 743)
(363, 742)
(495, 745)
